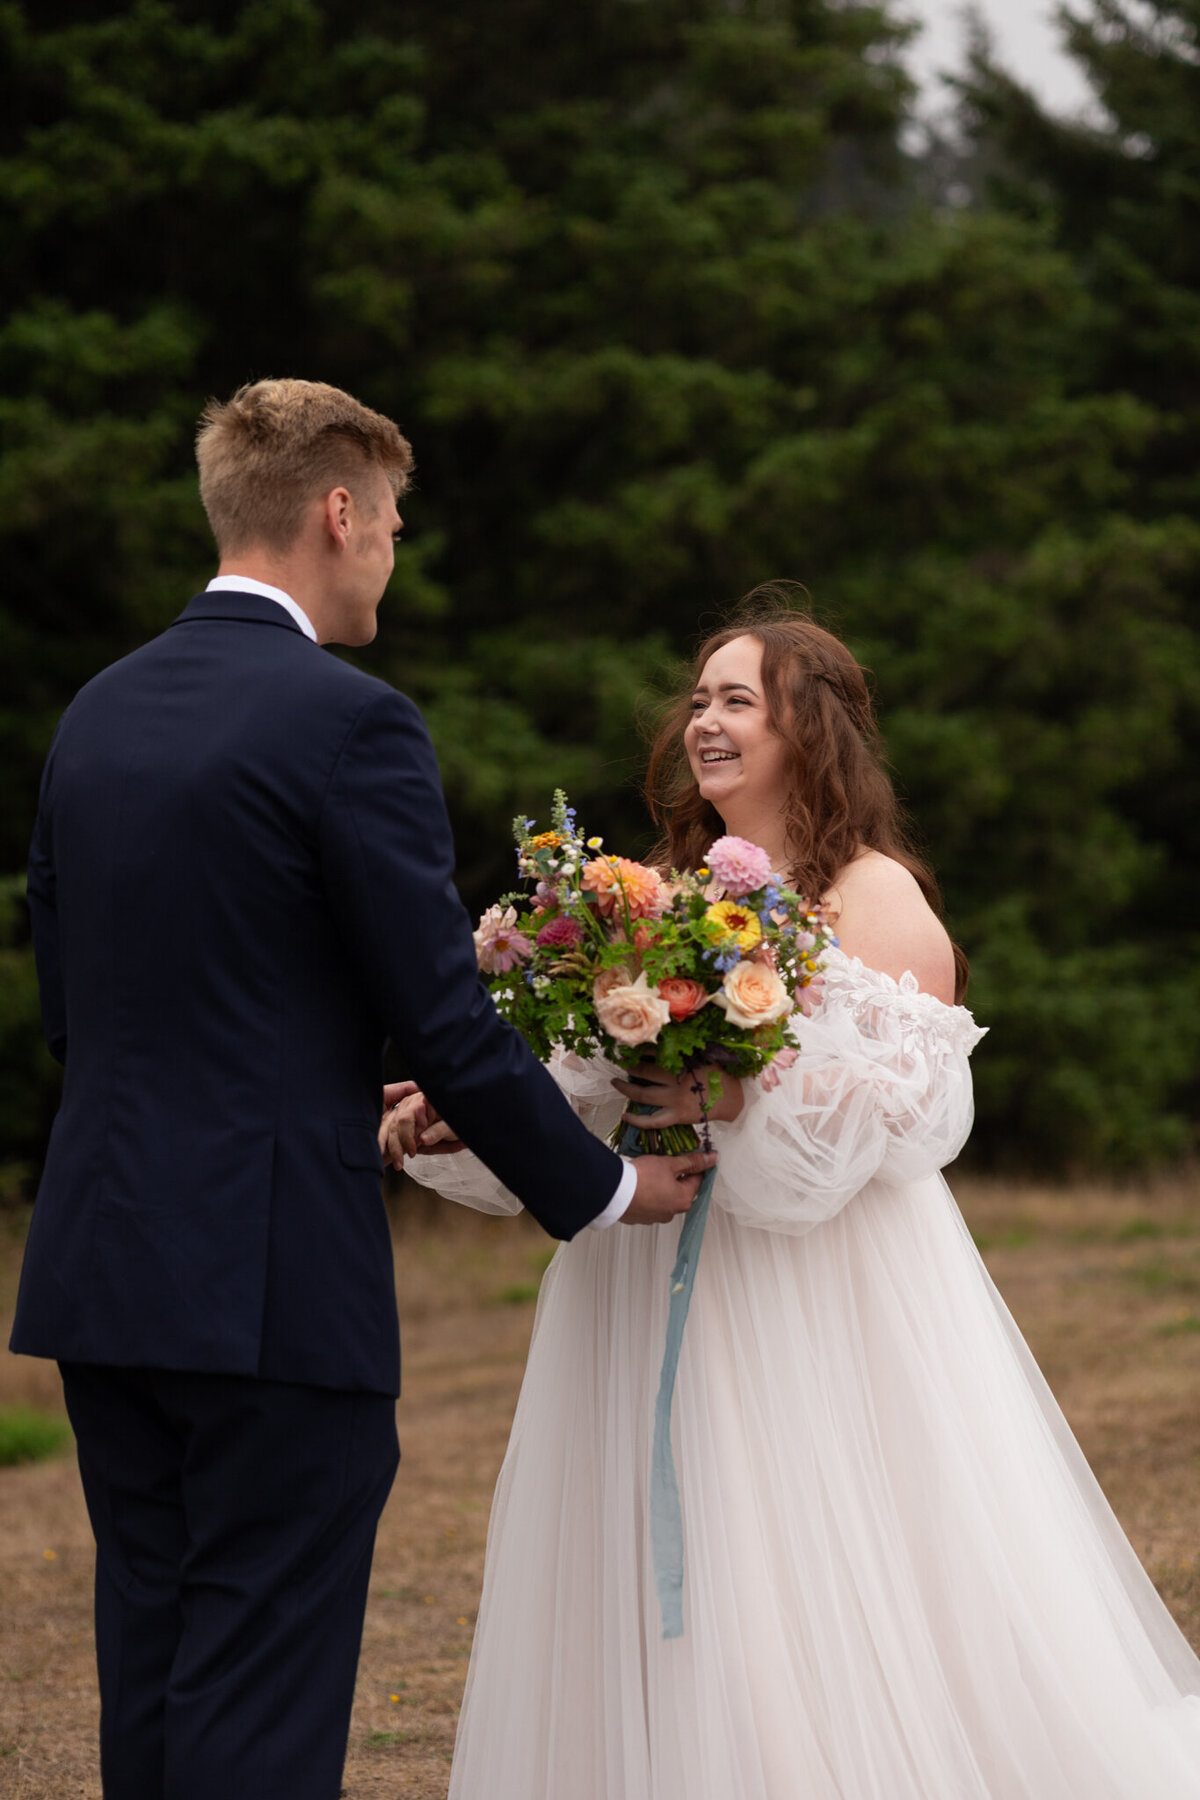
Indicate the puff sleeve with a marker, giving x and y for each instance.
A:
(881, 1090)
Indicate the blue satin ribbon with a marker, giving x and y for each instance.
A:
(666, 1517)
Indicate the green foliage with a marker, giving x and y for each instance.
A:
(1122, 601)
(660, 304)
(27, 1435)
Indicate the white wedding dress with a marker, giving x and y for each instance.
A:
(901, 1580)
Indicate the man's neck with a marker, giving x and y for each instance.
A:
(284, 573)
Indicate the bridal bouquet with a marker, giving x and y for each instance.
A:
(704, 970)
(602, 953)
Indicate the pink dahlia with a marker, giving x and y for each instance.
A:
(561, 933)
(738, 866)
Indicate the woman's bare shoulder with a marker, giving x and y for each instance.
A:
(880, 915)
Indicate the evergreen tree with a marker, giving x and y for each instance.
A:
(651, 289)
(1120, 199)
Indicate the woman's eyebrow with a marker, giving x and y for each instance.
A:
(729, 687)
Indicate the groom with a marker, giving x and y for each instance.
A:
(240, 885)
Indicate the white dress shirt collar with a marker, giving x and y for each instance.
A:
(246, 584)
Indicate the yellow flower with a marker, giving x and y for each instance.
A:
(547, 840)
(736, 922)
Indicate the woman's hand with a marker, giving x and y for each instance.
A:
(412, 1127)
(679, 1099)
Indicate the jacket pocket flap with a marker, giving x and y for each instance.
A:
(358, 1148)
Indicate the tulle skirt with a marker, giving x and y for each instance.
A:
(902, 1581)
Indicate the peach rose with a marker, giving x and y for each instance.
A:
(633, 1013)
(607, 980)
(684, 997)
(752, 994)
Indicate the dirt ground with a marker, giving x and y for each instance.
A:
(1106, 1286)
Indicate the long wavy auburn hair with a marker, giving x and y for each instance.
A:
(840, 799)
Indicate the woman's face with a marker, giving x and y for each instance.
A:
(737, 759)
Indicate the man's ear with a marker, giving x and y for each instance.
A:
(338, 516)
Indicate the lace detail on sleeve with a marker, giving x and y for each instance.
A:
(464, 1179)
(881, 1089)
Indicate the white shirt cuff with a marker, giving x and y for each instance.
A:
(618, 1206)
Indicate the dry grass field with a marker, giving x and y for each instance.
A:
(1105, 1285)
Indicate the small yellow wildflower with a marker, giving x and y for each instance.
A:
(50, 1555)
(736, 922)
(395, 1699)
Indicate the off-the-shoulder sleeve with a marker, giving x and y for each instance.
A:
(881, 1089)
(586, 1082)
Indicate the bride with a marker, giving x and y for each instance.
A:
(902, 1581)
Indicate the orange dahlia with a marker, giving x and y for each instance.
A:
(614, 879)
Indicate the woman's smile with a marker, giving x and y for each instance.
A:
(731, 745)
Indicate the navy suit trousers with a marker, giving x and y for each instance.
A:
(234, 1521)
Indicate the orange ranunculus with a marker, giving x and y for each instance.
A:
(683, 996)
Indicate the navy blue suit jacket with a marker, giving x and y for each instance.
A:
(241, 885)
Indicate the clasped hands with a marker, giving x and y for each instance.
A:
(666, 1185)
(411, 1126)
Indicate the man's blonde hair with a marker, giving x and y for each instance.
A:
(278, 445)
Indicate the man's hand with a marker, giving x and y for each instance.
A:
(666, 1186)
(411, 1126)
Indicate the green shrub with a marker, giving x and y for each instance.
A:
(27, 1435)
